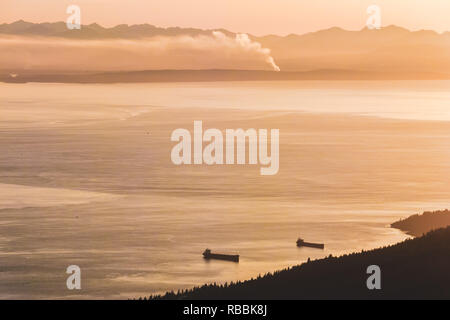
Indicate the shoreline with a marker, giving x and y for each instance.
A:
(210, 75)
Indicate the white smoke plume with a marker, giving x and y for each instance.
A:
(244, 42)
(216, 51)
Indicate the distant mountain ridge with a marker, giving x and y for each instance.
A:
(96, 31)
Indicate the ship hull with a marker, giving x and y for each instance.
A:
(226, 257)
(311, 245)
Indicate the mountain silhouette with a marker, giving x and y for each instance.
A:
(96, 31)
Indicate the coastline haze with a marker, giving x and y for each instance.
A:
(42, 49)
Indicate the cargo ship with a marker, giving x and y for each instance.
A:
(302, 243)
(228, 257)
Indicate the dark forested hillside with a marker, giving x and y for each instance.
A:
(418, 225)
(414, 269)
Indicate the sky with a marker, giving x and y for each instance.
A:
(258, 17)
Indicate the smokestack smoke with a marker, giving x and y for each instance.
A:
(215, 51)
(247, 44)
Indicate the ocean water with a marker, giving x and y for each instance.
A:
(86, 179)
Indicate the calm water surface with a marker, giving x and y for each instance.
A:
(86, 179)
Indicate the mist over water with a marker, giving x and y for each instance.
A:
(86, 179)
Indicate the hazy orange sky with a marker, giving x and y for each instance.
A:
(252, 16)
